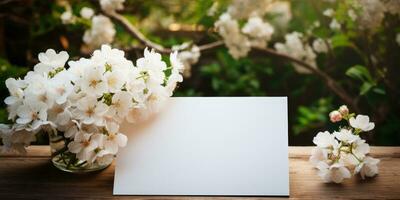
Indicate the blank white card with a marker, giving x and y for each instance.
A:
(233, 146)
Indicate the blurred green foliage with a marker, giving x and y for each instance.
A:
(374, 85)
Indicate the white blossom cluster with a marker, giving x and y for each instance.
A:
(110, 6)
(87, 101)
(100, 28)
(101, 31)
(372, 13)
(189, 55)
(294, 46)
(343, 151)
(368, 14)
(243, 9)
(256, 32)
(393, 7)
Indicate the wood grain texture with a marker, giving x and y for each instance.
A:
(32, 176)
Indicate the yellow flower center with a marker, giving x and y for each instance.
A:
(93, 83)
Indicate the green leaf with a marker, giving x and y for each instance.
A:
(361, 73)
(365, 87)
(379, 91)
(215, 82)
(341, 41)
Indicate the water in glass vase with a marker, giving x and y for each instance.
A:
(67, 161)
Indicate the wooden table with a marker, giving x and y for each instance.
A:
(32, 176)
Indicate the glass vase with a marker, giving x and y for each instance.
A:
(66, 161)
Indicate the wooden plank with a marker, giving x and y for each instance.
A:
(33, 176)
(298, 151)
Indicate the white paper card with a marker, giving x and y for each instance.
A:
(208, 146)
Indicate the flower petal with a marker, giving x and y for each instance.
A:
(121, 139)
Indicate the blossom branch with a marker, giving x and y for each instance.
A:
(145, 41)
(329, 81)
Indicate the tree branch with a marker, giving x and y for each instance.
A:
(136, 33)
(329, 81)
(145, 41)
(211, 45)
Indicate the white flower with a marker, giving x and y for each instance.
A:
(72, 130)
(136, 115)
(83, 146)
(86, 12)
(281, 10)
(320, 46)
(67, 17)
(111, 5)
(237, 43)
(348, 159)
(360, 148)
(39, 91)
(102, 31)
(16, 98)
(78, 67)
(335, 25)
(343, 150)
(318, 155)
(344, 110)
(329, 12)
(50, 60)
(259, 31)
(240, 9)
(334, 173)
(368, 167)
(115, 80)
(325, 139)
(15, 140)
(136, 86)
(176, 62)
(362, 122)
(352, 14)
(346, 136)
(114, 139)
(175, 76)
(93, 81)
(89, 111)
(104, 158)
(295, 47)
(151, 68)
(62, 87)
(120, 104)
(15, 89)
(35, 114)
(372, 13)
(60, 114)
(186, 57)
(112, 59)
(87, 102)
(156, 99)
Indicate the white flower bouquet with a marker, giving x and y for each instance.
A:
(339, 152)
(82, 106)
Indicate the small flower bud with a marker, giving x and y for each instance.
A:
(344, 110)
(335, 116)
